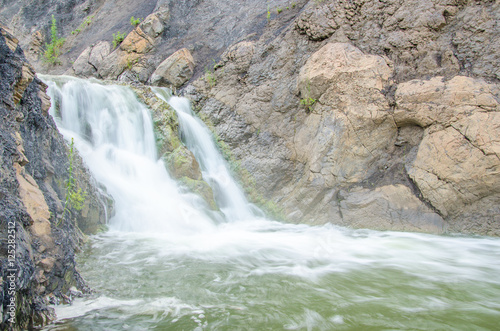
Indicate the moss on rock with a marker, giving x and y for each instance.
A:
(182, 163)
(165, 121)
(201, 188)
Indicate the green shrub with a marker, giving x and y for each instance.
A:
(210, 78)
(75, 197)
(135, 21)
(54, 48)
(308, 102)
(118, 38)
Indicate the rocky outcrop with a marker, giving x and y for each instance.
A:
(130, 60)
(39, 238)
(423, 38)
(457, 166)
(337, 130)
(179, 160)
(92, 58)
(341, 77)
(177, 69)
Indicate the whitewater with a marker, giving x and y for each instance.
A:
(169, 263)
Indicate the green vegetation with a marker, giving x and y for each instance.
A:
(86, 22)
(130, 63)
(210, 77)
(308, 102)
(268, 13)
(135, 21)
(118, 38)
(75, 197)
(279, 10)
(54, 48)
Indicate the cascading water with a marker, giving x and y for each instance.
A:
(198, 140)
(166, 265)
(114, 134)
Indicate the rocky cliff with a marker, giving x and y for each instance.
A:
(39, 232)
(365, 113)
(362, 114)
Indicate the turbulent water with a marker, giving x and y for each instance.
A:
(166, 264)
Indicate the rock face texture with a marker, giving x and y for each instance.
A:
(175, 70)
(457, 165)
(358, 114)
(364, 113)
(38, 239)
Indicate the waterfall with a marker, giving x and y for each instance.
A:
(113, 132)
(165, 264)
(198, 139)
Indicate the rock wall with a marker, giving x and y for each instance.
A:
(38, 239)
(368, 114)
(364, 113)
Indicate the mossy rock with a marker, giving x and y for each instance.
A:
(201, 188)
(165, 121)
(182, 163)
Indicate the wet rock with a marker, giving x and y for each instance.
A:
(392, 207)
(201, 188)
(165, 121)
(33, 170)
(182, 163)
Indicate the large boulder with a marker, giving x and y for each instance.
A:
(182, 163)
(153, 24)
(177, 69)
(457, 167)
(81, 67)
(91, 59)
(350, 127)
(137, 41)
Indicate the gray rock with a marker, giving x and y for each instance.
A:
(177, 69)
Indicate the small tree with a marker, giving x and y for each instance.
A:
(54, 48)
(118, 38)
(135, 21)
(75, 197)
